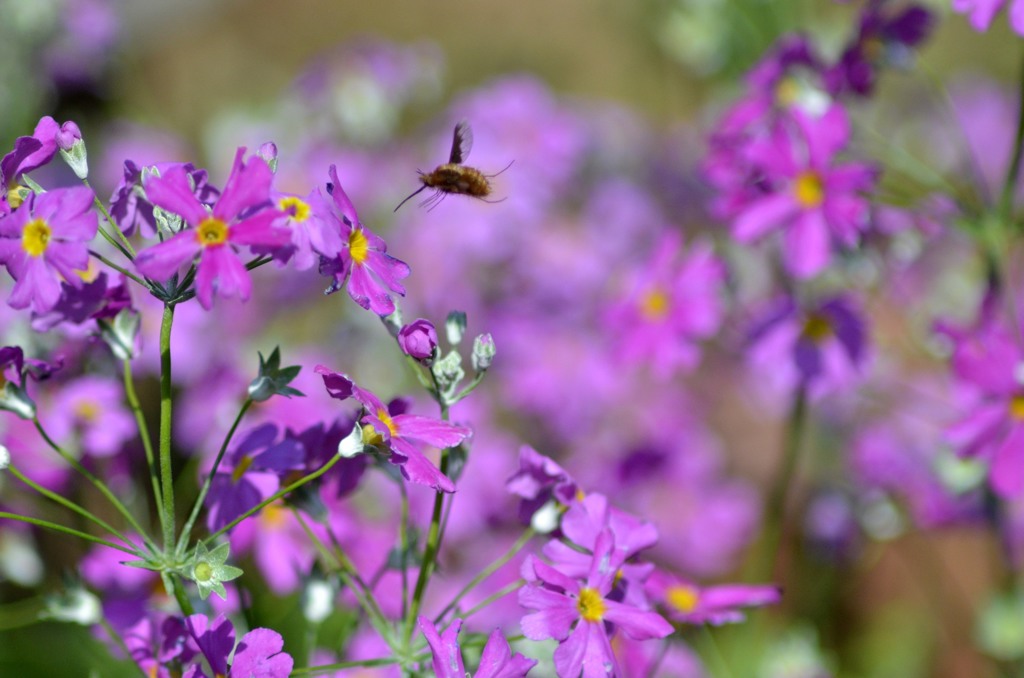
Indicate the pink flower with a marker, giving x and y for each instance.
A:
(387, 426)
(814, 200)
(982, 12)
(241, 216)
(44, 242)
(715, 605)
(371, 273)
(581, 615)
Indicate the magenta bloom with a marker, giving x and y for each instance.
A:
(258, 654)
(241, 216)
(988, 365)
(497, 660)
(675, 301)
(134, 211)
(815, 201)
(418, 339)
(44, 242)
(581, 616)
(538, 481)
(93, 407)
(371, 273)
(715, 605)
(29, 153)
(982, 12)
(390, 428)
(312, 235)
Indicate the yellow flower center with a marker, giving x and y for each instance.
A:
(817, 328)
(654, 304)
(370, 436)
(240, 468)
(87, 411)
(358, 246)
(383, 415)
(273, 516)
(296, 208)
(590, 605)
(682, 597)
(1017, 407)
(787, 91)
(35, 237)
(212, 232)
(809, 189)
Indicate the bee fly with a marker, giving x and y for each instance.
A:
(453, 177)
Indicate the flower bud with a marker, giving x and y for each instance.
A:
(455, 326)
(268, 151)
(418, 340)
(72, 149)
(483, 352)
(122, 333)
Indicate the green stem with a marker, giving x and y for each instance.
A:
(403, 535)
(119, 641)
(1005, 207)
(350, 577)
(147, 443)
(487, 572)
(715, 652)
(184, 604)
(120, 269)
(429, 552)
(499, 594)
(277, 495)
(68, 504)
(67, 530)
(190, 523)
(106, 215)
(97, 483)
(166, 404)
(775, 509)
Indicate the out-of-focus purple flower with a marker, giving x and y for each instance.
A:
(93, 408)
(581, 616)
(241, 216)
(675, 301)
(371, 273)
(816, 201)
(132, 210)
(497, 660)
(390, 428)
(715, 605)
(257, 462)
(982, 12)
(418, 339)
(822, 347)
(44, 242)
(538, 481)
(77, 305)
(884, 38)
(88, 31)
(987, 364)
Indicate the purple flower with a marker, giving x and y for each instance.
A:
(822, 347)
(715, 605)
(257, 655)
(497, 660)
(674, 302)
(240, 217)
(44, 242)
(77, 305)
(418, 339)
(982, 12)
(131, 208)
(258, 462)
(312, 235)
(390, 428)
(581, 616)
(29, 153)
(988, 366)
(809, 196)
(92, 407)
(538, 481)
(883, 38)
(371, 273)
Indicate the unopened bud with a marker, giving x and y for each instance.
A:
(483, 352)
(72, 149)
(455, 327)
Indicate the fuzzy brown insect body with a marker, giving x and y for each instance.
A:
(454, 178)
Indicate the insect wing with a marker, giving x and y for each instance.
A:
(462, 143)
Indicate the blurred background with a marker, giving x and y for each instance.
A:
(603, 108)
